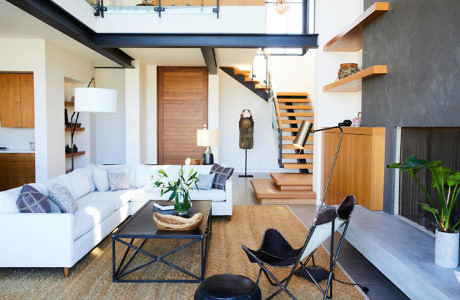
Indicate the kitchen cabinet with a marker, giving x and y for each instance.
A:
(16, 169)
(17, 100)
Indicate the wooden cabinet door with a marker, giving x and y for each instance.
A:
(27, 100)
(182, 109)
(10, 100)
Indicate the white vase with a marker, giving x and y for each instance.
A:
(446, 249)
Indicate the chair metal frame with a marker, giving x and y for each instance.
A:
(283, 284)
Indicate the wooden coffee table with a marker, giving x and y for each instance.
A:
(141, 226)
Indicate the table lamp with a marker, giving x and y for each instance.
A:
(208, 138)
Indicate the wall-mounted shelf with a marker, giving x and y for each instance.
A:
(69, 104)
(353, 83)
(75, 154)
(351, 39)
(76, 129)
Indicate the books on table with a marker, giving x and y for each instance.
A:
(164, 205)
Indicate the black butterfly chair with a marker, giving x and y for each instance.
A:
(275, 251)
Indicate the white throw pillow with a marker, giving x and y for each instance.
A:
(61, 179)
(80, 183)
(128, 170)
(62, 197)
(8, 200)
(100, 179)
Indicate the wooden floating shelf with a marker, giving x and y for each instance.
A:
(76, 129)
(79, 153)
(69, 104)
(351, 39)
(353, 83)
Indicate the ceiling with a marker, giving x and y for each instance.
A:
(15, 23)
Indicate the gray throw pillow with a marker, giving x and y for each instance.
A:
(222, 174)
(61, 196)
(32, 201)
(118, 180)
(205, 181)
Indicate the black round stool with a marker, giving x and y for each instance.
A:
(227, 286)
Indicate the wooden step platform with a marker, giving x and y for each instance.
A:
(289, 114)
(297, 156)
(267, 192)
(293, 181)
(297, 166)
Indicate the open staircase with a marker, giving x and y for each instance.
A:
(291, 109)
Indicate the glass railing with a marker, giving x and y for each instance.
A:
(155, 6)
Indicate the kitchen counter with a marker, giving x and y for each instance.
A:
(17, 151)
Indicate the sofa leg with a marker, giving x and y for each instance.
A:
(66, 272)
(229, 218)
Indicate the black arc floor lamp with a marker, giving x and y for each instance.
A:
(301, 139)
(306, 128)
(91, 100)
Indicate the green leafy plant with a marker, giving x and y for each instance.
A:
(179, 188)
(446, 183)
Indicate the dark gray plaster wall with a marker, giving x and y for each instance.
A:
(419, 41)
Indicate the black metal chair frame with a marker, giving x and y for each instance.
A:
(283, 284)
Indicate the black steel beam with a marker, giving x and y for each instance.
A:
(55, 16)
(198, 40)
(210, 59)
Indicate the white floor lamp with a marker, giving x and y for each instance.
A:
(95, 100)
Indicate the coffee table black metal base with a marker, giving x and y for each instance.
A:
(202, 236)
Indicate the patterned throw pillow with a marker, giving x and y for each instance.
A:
(32, 201)
(222, 174)
(60, 195)
(118, 180)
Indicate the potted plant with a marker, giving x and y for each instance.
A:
(446, 182)
(179, 189)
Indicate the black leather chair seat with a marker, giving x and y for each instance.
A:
(228, 286)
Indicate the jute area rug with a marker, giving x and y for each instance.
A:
(91, 278)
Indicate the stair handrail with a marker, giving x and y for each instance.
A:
(274, 98)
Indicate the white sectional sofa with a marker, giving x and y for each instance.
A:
(62, 239)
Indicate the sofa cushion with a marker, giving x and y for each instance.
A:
(118, 179)
(215, 195)
(93, 208)
(32, 201)
(89, 169)
(8, 200)
(205, 181)
(129, 170)
(61, 179)
(222, 175)
(80, 183)
(100, 179)
(60, 195)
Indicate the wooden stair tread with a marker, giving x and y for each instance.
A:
(249, 79)
(294, 100)
(304, 107)
(297, 114)
(293, 179)
(290, 146)
(297, 156)
(292, 94)
(294, 121)
(292, 137)
(267, 189)
(297, 166)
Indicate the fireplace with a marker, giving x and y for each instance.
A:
(434, 143)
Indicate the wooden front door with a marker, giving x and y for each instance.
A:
(182, 109)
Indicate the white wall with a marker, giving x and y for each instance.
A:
(331, 108)
(59, 65)
(133, 114)
(109, 142)
(150, 115)
(233, 98)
